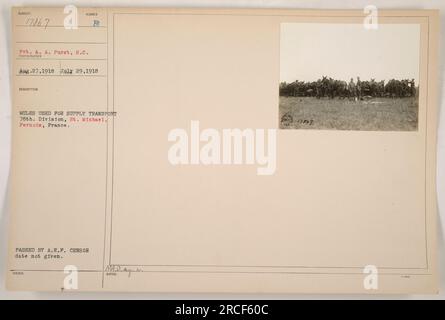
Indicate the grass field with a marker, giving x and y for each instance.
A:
(376, 114)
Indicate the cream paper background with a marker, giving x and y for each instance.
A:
(317, 139)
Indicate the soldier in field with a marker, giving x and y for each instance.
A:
(352, 89)
(359, 89)
(412, 84)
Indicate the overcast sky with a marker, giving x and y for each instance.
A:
(342, 51)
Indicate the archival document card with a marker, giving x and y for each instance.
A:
(223, 150)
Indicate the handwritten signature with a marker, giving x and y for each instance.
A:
(122, 269)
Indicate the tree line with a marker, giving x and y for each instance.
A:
(355, 89)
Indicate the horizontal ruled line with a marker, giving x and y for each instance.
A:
(263, 266)
(60, 59)
(58, 75)
(56, 26)
(227, 272)
(61, 42)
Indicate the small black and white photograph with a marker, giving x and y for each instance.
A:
(348, 77)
